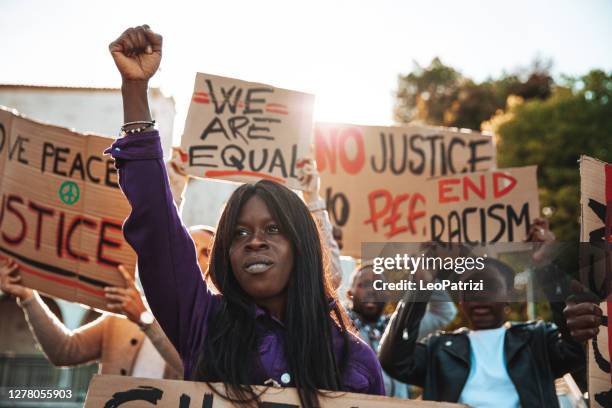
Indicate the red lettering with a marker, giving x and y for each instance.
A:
(468, 184)
(497, 177)
(392, 219)
(444, 188)
(355, 165)
(105, 241)
(415, 215)
(15, 240)
(326, 149)
(76, 222)
(375, 214)
(41, 212)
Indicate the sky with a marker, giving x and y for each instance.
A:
(348, 53)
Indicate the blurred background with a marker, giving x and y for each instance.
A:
(538, 75)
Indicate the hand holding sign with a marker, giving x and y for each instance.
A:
(126, 301)
(308, 176)
(137, 53)
(10, 280)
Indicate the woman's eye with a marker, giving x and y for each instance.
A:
(273, 229)
(241, 232)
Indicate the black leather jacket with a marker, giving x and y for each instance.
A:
(536, 353)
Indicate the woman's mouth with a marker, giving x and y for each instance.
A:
(258, 266)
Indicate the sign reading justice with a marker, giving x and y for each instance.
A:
(419, 184)
(243, 131)
(61, 210)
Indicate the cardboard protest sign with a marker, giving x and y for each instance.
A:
(62, 210)
(596, 266)
(129, 392)
(244, 131)
(419, 184)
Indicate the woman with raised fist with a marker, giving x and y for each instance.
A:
(276, 319)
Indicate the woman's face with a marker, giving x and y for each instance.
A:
(261, 255)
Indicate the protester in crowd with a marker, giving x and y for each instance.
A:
(489, 364)
(276, 319)
(366, 312)
(135, 346)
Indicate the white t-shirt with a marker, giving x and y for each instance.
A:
(149, 363)
(488, 384)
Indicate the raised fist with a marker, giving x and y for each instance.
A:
(137, 53)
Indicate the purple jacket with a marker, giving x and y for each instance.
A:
(172, 281)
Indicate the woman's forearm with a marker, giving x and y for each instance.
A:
(135, 101)
(62, 347)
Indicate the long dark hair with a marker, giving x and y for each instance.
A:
(232, 336)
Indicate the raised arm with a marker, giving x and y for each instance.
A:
(400, 353)
(167, 260)
(309, 178)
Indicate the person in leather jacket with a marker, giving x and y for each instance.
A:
(491, 363)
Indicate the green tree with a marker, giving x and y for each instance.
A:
(552, 133)
(440, 95)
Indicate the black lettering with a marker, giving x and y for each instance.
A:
(514, 219)
(19, 146)
(402, 167)
(332, 202)
(193, 156)
(278, 161)
(59, 158)
(235, 124)
(59, 247)
(232, 160)
(184, 401)
(253, 132)
(432, 143)
(454, 233)
(215, 126)
(434, 221)
(421, 167)
(502, 223)
(77, 165)
(293, 161)
(226, 95)
(464, 220)
(451, 165)
(250, 100)
(143, 393)
(208, 400)
(263, 162)
(48, 151)
(88, 168)
(110, 177)
(383, 160)
(443, 157)
(483, 226)
(474, 157)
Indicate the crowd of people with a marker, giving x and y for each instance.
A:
(254, 300)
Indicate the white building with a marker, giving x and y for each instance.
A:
(96, 110)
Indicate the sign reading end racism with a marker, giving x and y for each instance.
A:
(243, 131)
(110, 391)
(61, 210)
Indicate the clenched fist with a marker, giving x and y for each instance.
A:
(137, 53)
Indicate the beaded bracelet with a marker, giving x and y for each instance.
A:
(146, 125)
